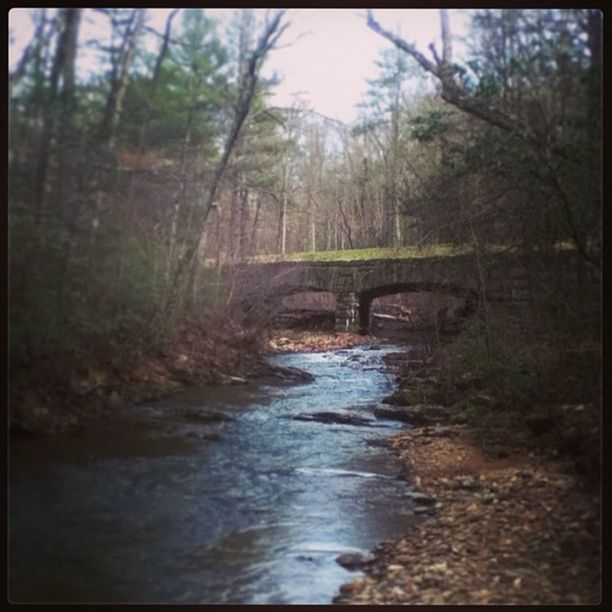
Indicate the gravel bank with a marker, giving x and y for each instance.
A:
(514, 530)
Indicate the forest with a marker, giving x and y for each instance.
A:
(145, 166)
(166, 160)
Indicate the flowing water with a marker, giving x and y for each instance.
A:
(255, 512)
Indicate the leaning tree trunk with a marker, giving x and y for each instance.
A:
(185, 265)
(455, 93)
(150, 101)
(114, 102)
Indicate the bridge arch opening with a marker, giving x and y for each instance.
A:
(412, 306)
(308, 308)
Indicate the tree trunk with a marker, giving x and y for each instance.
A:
(114, 101)
(64, 54)
(66, 134)
(314, 236)
(284, 210)
(594, 33)
(40, 39)
(72, 20)
(447, 49)
(48, 126)
(244, 221)
(253, 239)
(270, 36)
(163, 52)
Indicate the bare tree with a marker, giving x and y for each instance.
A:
(186, 265)
(150, 101)
(45, 29)
(447, 49)
(63, 67)
(454, 92)
(120, 74)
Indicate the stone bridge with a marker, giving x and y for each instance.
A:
(500, 277)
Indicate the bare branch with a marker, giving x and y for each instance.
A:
(436, 57)
(243, 105)
(39, 40)
(453, 92)
(401, 44)
(290, 44)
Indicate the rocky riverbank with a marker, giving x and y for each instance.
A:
(294, 341)
(504, 514)
(503, 520)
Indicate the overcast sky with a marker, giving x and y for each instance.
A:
(326, 54)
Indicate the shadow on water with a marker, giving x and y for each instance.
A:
(249, 505)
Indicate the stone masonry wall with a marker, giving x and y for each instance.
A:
(506, 277)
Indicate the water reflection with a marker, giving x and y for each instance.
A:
(257, 517)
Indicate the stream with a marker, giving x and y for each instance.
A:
(247, 506)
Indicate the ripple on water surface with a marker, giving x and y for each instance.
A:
(257, 517)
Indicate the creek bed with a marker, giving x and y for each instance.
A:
(253, 508)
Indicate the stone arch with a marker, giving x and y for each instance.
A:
(304, 288)
(307, 306)
(367, 296)
(308, 289)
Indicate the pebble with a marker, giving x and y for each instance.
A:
(438, 567)
(479, 551)
(511, 530)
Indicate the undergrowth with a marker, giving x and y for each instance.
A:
(536, 377)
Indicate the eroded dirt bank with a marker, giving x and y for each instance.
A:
(64, 393)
